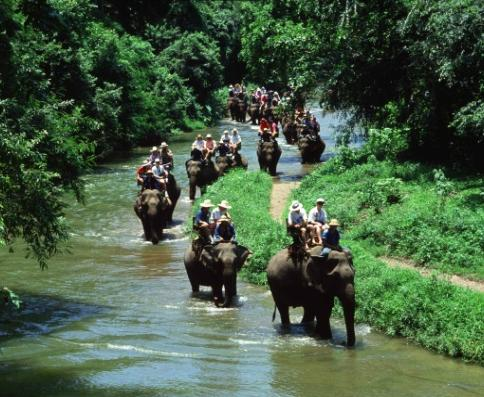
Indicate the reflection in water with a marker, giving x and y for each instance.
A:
(117, 317)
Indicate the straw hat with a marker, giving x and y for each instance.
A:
(333, 222)
(154, 149)
(296, 206)
(149, 171)
(320, 200)
(224, 204)
(164, 144)
(206, 204)
(157, 160)
(224, 218)
(208, 136)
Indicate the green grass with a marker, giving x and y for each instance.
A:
(428, 311)
(443, 232)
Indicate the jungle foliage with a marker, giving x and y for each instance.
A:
(411, 65)
(81, 79)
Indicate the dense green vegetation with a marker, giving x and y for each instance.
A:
(405, 210)
(83, 78)
(411, 65)
(431, 312)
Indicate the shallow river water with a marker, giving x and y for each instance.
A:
(116, 316)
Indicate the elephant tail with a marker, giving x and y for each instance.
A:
(274, 313)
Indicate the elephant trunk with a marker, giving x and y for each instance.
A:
(229, 279)
(349, 304)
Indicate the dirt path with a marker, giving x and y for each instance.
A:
(279, 196)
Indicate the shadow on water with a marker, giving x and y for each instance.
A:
(43, 315)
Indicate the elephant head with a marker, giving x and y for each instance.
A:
(268, 154)
(201, 174)
(150, 207)
(311, 147)
(223, 260)
(334, 277)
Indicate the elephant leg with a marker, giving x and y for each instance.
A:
(193, 282)
(323, 328)
(192, 191)
(308, 316)
(217, 294)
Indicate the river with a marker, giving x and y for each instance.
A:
(116, 316)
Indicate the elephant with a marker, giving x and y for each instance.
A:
(312, 282)
(215, 265)
(200, 173)
(290, 131)
(225, 163)
(242, 106)
(233, 106)
(268, 154)
(153, 208)
(254, 112)
(174, 193)
(311, 146)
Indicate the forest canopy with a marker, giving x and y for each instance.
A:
(81, 79)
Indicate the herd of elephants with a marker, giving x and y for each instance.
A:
(296, 277)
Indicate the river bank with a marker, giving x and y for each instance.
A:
(430, 311)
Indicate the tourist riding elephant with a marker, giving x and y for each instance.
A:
(312, 282)
(200, 173)
(216, 266)
(254, 112)
(290, 131)
(311, 146)
(268, 154)
(154, 209)
(225, 163)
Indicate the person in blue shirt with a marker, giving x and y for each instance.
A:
(331, 239)
(224, 231)
(202, 221)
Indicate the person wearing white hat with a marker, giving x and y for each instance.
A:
(317, 219)
(166, 156)
(210, 146)
(331, 238)
(225, 230)
(297, 220)
(202, 220)
(154, 154)
(222, 209)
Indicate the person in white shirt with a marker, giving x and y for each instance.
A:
(160, 173)
(317, 221)
(235, 141)
(222, 209)
(225, 136)
(297, 221)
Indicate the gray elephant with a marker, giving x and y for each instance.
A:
(312, 282)
(289, 130)
(200, 173)
(216, 266)
(311, 147)
(225, 163)
(153, 208)
(233, 106)
(268, 154)
(254, 111)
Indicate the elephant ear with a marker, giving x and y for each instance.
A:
(242, 254)
(314, 271)
(207, 257)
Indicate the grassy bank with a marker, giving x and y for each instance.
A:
(431, 312)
